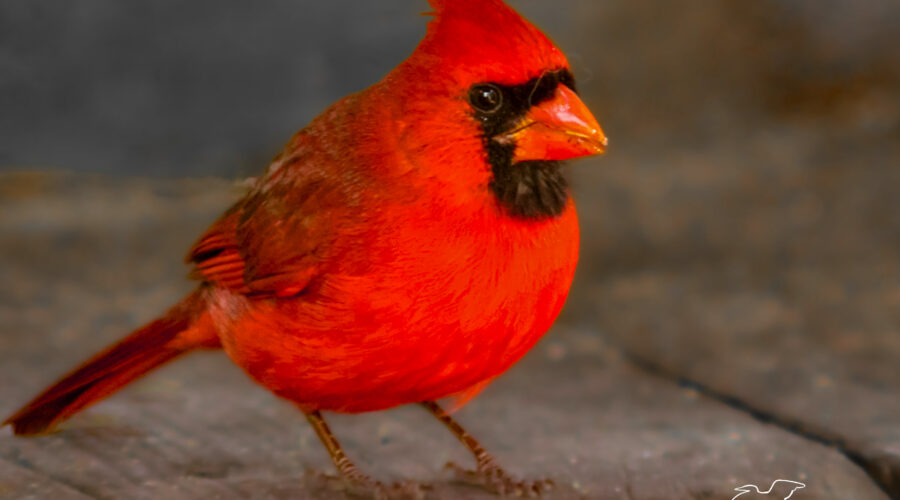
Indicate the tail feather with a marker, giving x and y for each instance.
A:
(110, 370)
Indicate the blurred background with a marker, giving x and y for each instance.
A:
(741, 236)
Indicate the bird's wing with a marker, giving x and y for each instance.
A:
(275, 240)
(215, 255)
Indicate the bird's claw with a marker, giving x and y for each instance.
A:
(498, 481)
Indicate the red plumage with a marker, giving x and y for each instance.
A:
(373, 264)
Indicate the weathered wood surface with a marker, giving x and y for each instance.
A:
(766, 271)
(86, 259)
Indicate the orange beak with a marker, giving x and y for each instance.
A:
(559, 129)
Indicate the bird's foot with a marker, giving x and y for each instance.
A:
(496, 480)
(359, 485)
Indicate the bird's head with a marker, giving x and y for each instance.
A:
(492, 102)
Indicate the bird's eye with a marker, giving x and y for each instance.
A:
(486, 98)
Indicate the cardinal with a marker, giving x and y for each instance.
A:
(410, 244)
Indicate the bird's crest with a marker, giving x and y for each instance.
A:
(487, 40)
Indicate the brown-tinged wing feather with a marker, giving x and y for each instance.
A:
(273, 242)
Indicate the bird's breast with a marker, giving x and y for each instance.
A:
(433, 307)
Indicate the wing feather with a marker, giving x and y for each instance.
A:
(273, 241)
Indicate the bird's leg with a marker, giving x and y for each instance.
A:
(343, 464)
(359, 483)
(488, 474)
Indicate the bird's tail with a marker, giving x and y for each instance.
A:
(182, 329)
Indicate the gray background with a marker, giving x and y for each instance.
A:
(215, 87)
(186, 88)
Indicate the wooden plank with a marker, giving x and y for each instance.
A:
(765, 270)
(20, 482)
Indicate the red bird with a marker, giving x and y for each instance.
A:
(410, 244)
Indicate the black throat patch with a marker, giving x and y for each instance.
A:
(532, 189)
